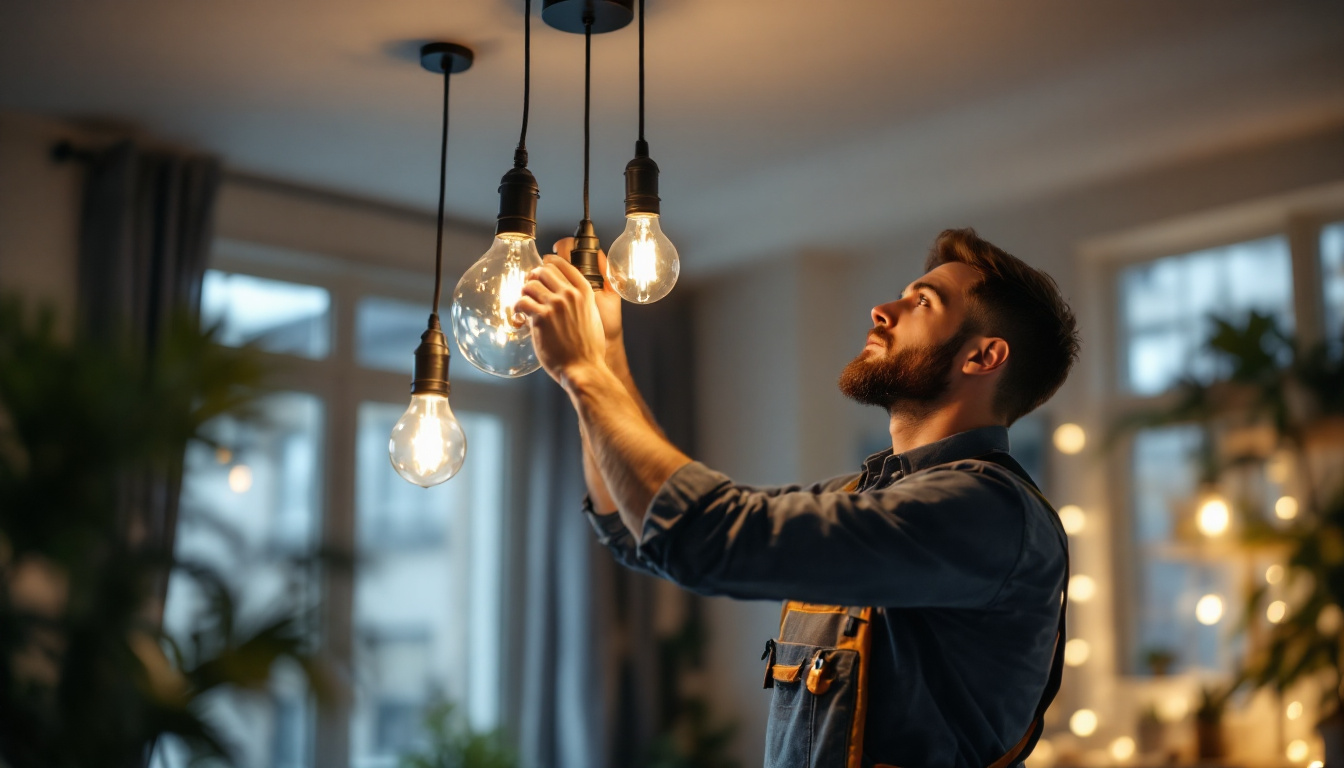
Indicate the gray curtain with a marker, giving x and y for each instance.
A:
(592, 694)
(144, 240)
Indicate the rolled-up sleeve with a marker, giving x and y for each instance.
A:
(612, 534)
(948, 537)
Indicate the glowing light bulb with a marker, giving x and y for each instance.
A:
(1286, 508)
(1274, 574)
(1276, 611)
(427, 444)
(1072, 518)
(490, 334)
(1076, 652)
(1123, 748)
(1214, 517)
(1083, 723)
(1294, 710)
(1297, 750)
(1070, 438)
(1173, 709)
(1209, 610)
(642, 265)
(1082, 588)
(240, 478)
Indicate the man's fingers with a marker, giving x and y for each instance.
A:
(563, 246)
(602, 267)
(570, 272)
(548, 274)
(528, 307)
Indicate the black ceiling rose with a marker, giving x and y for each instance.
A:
(446, 57)
(569, 15)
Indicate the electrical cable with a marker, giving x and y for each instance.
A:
(527, 76)
(587, 103)
(443, 173)
(641, 71)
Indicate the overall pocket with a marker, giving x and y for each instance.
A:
(812, 706)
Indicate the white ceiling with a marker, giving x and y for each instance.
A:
(778, 124)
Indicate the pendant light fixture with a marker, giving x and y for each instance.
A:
(642, 264)
(427, 444)
(588, 17)
(489, 333)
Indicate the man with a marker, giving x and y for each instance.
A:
(932, 629)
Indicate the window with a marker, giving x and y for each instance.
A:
(423, 606)
(1166, 305)
(1332, 279)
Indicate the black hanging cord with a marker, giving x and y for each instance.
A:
(443, 173)
(587, 103)
(520, 154)
(641, 72)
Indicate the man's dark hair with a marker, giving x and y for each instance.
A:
(1021, 305)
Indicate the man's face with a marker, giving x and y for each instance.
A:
(908, 362)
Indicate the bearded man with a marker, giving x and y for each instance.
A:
(923, 622)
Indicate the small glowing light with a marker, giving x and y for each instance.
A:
(1297, 750)
(223, 455)
(1209, 610)
(1082, 588)
(1213, 517)
(240, 478)
(1083, 723)
(1276, 611)
(1122, 748)
(1294, 710)
(1316, 764)
(1043, 756)
(1286, 508)
(1076, 652)
(1070, 438)
(1329, 620)
(1073, 519)
(1274, 574)
(1173, 709)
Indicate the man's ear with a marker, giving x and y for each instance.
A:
(990, 354)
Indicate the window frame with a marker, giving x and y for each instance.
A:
(342, 384)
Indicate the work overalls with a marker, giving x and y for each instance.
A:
(819, 674)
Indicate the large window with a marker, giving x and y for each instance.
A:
(1186, 587)
(418, 618)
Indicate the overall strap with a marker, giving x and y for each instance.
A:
(1028, 741)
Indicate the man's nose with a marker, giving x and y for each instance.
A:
(884, 314)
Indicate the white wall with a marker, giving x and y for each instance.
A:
(772, 339)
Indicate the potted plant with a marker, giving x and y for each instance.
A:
(87, 677)
(1209, 742)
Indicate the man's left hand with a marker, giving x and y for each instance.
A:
(566, 327)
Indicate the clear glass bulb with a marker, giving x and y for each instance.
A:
(427, 444)
(642, 264)
(490, 334)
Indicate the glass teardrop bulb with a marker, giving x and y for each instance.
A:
(427, 445)
(490, 334)
(642, 264)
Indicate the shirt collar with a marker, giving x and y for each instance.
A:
(963, 445)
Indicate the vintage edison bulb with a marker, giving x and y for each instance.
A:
(642, 264)
(427, 444)
(490, 334)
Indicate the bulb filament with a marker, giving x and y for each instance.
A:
(643, 257)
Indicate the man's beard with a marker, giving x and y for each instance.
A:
(910, 381)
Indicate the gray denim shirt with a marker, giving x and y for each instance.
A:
(963, 561)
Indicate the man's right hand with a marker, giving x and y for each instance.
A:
(608, 306)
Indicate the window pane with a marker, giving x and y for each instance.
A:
(286, 318)
(1166, 305)
(1332, 279)
(427, 587)
(387, 332)
(250, 510)
(1170, 576)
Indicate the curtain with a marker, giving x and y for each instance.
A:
(591, 690)
(144, 240)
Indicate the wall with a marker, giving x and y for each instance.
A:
(806, 315)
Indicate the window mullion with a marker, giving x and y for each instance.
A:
(1304, 245)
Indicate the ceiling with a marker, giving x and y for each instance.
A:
(779, 124)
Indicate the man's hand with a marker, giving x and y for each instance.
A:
(567, 330)
(608, 302)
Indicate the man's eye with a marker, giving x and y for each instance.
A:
(923, 300)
